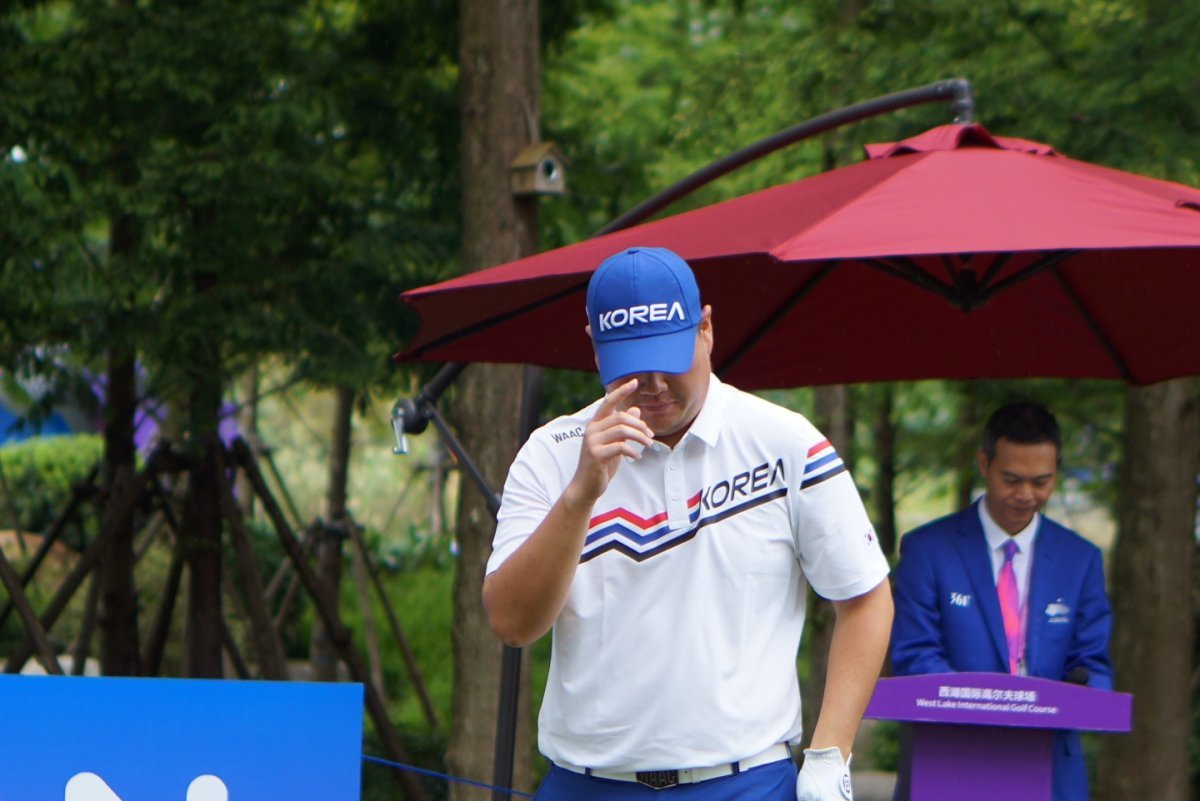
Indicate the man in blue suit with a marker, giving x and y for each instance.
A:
(952, 585)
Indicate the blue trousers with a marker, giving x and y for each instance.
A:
(773, 782)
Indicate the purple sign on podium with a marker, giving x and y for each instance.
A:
(990, 735)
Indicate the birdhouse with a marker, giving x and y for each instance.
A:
(539, 170)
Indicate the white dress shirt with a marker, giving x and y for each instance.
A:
(1022, 560)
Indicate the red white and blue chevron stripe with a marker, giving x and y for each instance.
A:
(635, 536)
(823, 462)
(640, 538)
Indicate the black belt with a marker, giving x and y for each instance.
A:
(662, 779)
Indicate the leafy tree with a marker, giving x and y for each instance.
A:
(193, 186)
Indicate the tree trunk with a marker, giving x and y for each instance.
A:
(883, 494)
(339, 454)
(119, 654)
(201, 533)
(499, 94)
(437, 491)
(247, 423)
(832, 416)
(118, 604)
(1152, 574)
(201, 525)
(965, 469)
(489, 433)
(322, 652)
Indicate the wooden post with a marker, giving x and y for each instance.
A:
(35, 634)
(338, 632)
(230, 646)
(285, 572)
(285, 607)
(265, 453)
(11, 508)
(410, 661)
(78, 493)
(82, 647)
(122, 508)
(271, 661)
(362, 586)
(156, 642)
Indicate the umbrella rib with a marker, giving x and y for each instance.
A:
(483, 325)
(776, 316)
(907, 270)
(1090, 321)
(995, 267)
(1046, 263)
(949, 265)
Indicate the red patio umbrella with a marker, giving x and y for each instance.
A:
(953, 254)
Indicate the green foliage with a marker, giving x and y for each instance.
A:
(203, 185)
(423, 600)
(885, 745)
(428, 751)
(40, 475)
(932, 444)
(412, 550)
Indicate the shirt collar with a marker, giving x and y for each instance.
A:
(997, 536)
(707, 425)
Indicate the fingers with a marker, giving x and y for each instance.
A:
(613, 432)
(620, 433)
(613, 401)
(616, 422)
(630, 438)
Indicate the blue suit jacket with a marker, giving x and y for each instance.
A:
(948, 615)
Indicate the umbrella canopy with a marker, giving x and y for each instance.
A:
(953, 254)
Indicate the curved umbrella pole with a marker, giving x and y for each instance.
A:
(957, 91)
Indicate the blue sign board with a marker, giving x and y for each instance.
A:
(119, 739)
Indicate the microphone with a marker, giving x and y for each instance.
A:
(1078, 675)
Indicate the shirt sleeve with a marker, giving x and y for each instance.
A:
(524, 504)
(837, 546)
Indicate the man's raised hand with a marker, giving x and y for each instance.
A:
(617, 430)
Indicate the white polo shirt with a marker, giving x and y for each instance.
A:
(677, 646)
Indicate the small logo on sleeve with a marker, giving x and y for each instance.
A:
(960, 599)
(563, 436)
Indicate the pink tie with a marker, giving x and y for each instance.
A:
(1010, 607)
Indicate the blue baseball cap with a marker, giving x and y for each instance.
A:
(644, 306)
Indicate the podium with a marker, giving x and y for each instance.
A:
(989, 736)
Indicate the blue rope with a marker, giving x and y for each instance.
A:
(447, 777)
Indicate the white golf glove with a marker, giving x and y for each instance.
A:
(825, 776)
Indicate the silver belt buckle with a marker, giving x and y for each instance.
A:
(658, 779)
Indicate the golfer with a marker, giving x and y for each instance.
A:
(667, 533)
